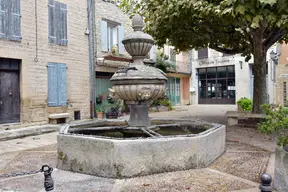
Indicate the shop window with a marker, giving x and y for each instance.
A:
(231, 88)
(221, 72)
(231, 71)
(202, 89)
(211, 73)
(202, 73)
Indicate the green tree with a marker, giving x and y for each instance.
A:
(162, 62)
(229, 26)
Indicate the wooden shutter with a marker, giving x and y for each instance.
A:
(63, 24)
(62, 92)
(52, 85)
(3, 18)
(103, 28)
(52, 21)
(14, 21)
(203, 53)
(120, 38)
(58, 27)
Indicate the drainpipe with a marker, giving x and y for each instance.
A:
(90, 9)
(94, 56)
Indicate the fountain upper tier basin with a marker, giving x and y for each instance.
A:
(112, 149)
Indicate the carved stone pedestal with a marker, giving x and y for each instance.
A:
(139, 115)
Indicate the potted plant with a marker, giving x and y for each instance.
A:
(276, 122)
(114, 108)
(100, 111)
(244, 104)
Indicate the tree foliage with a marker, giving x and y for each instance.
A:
(276, 121)
(162, 62)
(229, 26)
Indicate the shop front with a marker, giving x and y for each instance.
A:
(216, 85)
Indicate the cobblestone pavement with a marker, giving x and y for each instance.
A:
(238, 168)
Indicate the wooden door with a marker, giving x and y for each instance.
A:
(174, 90)
(9, 97)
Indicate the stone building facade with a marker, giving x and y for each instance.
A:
(281, 76)
(44, 47)
(217, 78)
(179, 81)
(111, 26)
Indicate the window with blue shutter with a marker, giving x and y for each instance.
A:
(15, 21)
(104, 37)
(10, 20)
(57, 16)
(120, 38)
(112, 34)
(3, 18)
(57, 91)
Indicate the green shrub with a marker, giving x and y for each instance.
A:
(163, 102)
(245, 104)
(276, 121)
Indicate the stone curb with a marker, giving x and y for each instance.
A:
(29, 131)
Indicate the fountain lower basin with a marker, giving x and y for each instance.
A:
(120, 151)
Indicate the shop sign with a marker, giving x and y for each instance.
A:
(213, 62)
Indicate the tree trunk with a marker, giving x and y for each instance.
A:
(259, 66)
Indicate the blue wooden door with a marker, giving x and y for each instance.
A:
(174, 90)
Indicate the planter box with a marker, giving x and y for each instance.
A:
(111, 116)
(281, 169)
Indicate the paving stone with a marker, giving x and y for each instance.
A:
(47, 148)
(191, 180)
(6, 159)
(242, 147)
(28, 161)
(64, 181)
(249, 165)
(27, 143)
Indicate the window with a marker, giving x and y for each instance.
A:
(217, 83)
(10, 20)
(57, 13)
(203, 53)
(112, 35)
(172, 56)
(57, 84)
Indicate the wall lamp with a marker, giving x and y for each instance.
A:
(241, 64)
(274, 57)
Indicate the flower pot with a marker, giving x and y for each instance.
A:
(239, 108)
(111, 115)
(100, 115)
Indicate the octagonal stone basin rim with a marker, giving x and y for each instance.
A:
(126, 158)
(65, 131)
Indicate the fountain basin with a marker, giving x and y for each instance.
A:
(144, 151)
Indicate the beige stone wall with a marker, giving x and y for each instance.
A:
(34, 85)
(282, 68)
(105, 10)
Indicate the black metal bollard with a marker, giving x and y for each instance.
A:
(48, 180)
(266, 181)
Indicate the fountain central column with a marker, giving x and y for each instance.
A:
(138, 85)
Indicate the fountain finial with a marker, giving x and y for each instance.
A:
(137, 23)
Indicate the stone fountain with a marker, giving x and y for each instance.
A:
(138, 84)
(118, 149)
